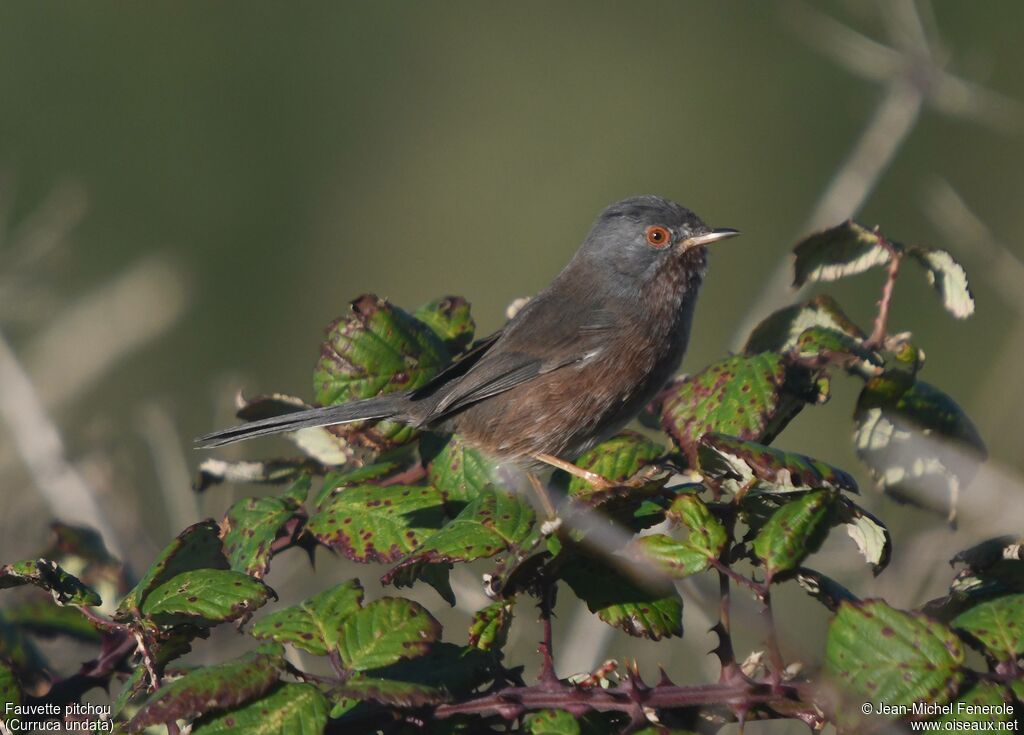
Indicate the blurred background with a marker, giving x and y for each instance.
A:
(190, 192)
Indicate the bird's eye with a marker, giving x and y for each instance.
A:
(657, 236)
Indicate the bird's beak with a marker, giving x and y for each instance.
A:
(709, 237)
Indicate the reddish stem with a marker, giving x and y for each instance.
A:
(879, 333)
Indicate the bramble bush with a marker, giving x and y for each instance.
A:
(715, 496)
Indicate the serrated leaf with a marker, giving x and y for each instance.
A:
(782, 329)
(884, 654)
(998, 625)
(668, 555)
(377, 349)
(552, 722)
(197, 547)
(42, 618)
(915, 439)
(338, 479)
(741, 396)
(948, 278)
(377, 523)
(131, 691)
(314, 624)
(844, 250)
(870, 534)
(204, 596)
(65, 588)
(251, 525)
(489, 628)
(616, 460)
(460, 471)
(724, 456)
(824, 589)
(210, 688)
(644, 609)
(985, 701)
(794, 531)
(401, 694)
(491, 523)
(386, 631)
(451, 320)
(290, 709)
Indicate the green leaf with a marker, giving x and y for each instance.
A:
(461, 472)
(376, 523)
(450, 318)
(724, 457)
(835, 346)
(705, 540)
(741, 396)
(916, 440)
(870, 534)
(385, 631)
(10, 689)
(197, 547)
(338, 479)
(290, 709)
(794, 531)
(41, 617)
(401, 694)
(314, 624)
(48, 575)
(781, 331)
(377, 349)
(491, 523)
(552, 722)
(616, 460)
(844, 250)
(948, 278)
(986, 701)
(645, 609)
(210, 688)
(204, 596)
(883, 654)
(251, 525)
(998, 625)
(489, 628)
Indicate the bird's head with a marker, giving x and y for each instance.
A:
(636, 239)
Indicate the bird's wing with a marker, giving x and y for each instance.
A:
(525, 350)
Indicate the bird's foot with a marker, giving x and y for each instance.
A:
(598, 482)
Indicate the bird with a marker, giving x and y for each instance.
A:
(578, 361)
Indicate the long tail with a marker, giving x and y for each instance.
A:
(380, 407)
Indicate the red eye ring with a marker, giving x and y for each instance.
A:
(658, 236)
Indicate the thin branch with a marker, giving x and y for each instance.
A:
(547, 676)
(757, 588)
(880, 331)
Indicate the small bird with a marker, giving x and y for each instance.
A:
(575, 364)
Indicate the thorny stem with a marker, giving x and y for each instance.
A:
(879, 332)
(771, 639)
(147, 658)
(547, 676)
(758, 589)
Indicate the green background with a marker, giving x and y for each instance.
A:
(279, 160)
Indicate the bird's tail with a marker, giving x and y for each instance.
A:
(379, 407)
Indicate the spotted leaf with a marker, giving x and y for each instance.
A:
(205, 596)
(451, 320)
(377, 349)
(781, 331)
(552, 722)
(384, 632)
(289, 708)
(489, 628)
(209, 689)
(314, 624)
(376, 523)
(998, 625)
(401, 694)
(616, 460)
(794, 531)
(251, 525)
(879, 653)
(460, 471)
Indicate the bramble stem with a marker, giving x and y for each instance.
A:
(547, 676)
(758, 589)
(879, 332)
(771, 639)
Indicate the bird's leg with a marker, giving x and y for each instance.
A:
(593, 478)
(542, 495)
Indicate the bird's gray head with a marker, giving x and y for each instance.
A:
(635, 239)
